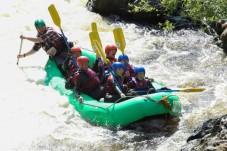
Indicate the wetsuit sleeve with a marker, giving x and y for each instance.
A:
(95, 66)
(150, 84)
(77, 82)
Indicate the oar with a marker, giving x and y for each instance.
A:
(183, 90)
(21, 42)
(94, 35)
(120, 42)
(119, 39)
(57, 21)
(94, 26)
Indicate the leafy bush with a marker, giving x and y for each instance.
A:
(206, 11)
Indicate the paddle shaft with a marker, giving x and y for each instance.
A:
(21, 42)
(185, 90)
(63, 35)
(57, 21)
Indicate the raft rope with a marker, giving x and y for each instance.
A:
(107, 108)
(163, 100)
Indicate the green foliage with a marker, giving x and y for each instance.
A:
(170, 5)
(206, 11)
(142, 6)
(167, 26)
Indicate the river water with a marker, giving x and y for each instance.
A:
(36, 117)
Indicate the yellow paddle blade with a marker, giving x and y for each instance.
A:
(94, 35)
(100, 51)
(54, 15)
(94, 26)
(119, 39)
(97, 45)
(192, 90)
(92, 39)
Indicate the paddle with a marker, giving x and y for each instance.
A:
(94, 26)
(183, 90)
(57, 21)
(120, 42)
(21, 42)
(97, 46)
(96, 36)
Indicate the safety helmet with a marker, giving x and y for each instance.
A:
(122, 57)
(81, 60)
(139, 69)
(117, 65)
(39, 23)
(110, 47)
(75, 49)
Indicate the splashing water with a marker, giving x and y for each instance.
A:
(36, 117)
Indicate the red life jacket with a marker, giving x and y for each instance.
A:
(111, 60)
(60, 45)
(141, 85)
(72, 67)
(92, 82)
(110, 85)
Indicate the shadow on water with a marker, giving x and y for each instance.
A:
(155, 124)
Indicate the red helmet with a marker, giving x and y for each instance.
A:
(75, 49)
(81, 60)
(110, 47)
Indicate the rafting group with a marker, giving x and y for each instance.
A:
(111, 79)
(107, 77)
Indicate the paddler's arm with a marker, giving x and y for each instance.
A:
(78, 95)
(119, 91)
(26, 54)
(78, 90)
(35, 40)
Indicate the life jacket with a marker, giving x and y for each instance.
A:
(73, 67)
(129, 68)
(111, 60)
(92, 82)
(141, 85)
(60, 45)
(110, 84)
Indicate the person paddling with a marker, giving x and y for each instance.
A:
(141, 85)
(86, 81)
(72, 67)
(128, 68)
(51, 41)
(110, 51)
(140, 82)
(114, 91)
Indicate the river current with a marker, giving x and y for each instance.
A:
(35, 117)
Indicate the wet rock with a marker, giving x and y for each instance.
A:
(211, 136)
(108, 7)
(221, 28)
(121, 8)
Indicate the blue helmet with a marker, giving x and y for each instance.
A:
(117, 65)
(139, 69)
(122, 57)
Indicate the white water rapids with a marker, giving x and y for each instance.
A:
(36, 117)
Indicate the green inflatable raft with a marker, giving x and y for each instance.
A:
(122, 112)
